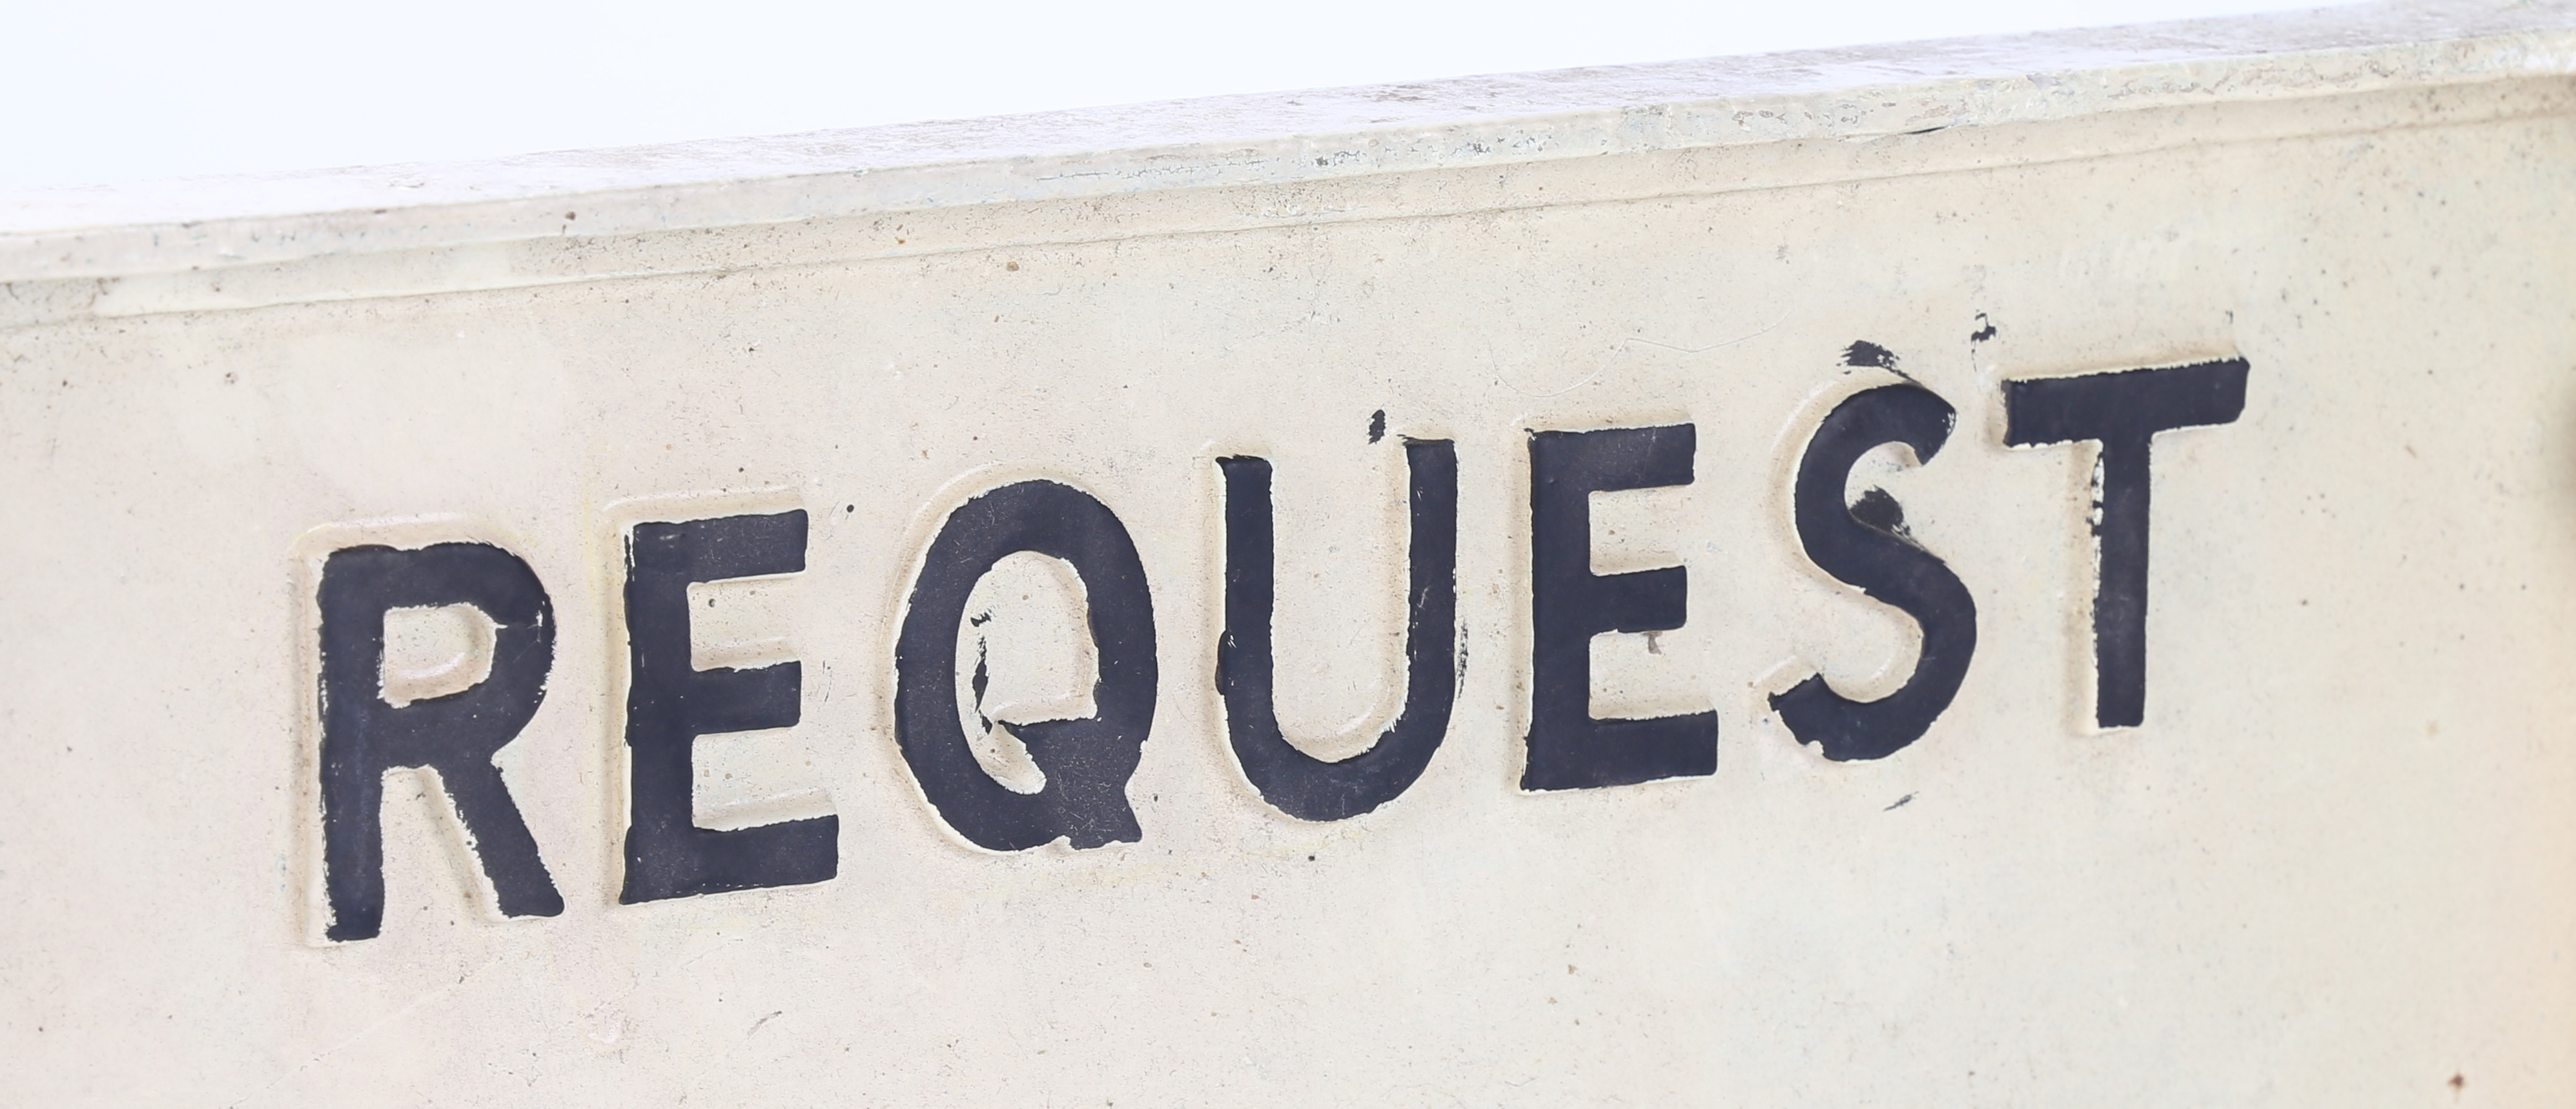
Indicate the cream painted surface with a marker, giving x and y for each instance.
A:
(2336, 866)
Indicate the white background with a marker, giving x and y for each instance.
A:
(116, 90)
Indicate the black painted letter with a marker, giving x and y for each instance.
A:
(363, 735)
(1866, 545)
(670, 703)
(1300, 784)
(1086, 762)
(1569, 604)
(2121, 412)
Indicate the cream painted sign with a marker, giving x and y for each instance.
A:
(2009, 572)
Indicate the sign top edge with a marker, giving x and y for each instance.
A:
(1281, 137)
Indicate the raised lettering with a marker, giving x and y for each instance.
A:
(670, 703)
(1087, 761)
(1569, 604)
(2121, 413)
(1867, 545)
(1291, 780)
(454, 736)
